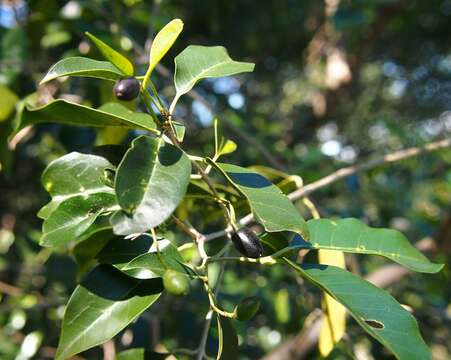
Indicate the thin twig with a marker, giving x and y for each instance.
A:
(345, 172)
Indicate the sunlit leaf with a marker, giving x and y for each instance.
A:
(114, 57)
(269, 205)
(65, 112)
(102, 305)
(374, 309)
(163, 42)
(150, 183)
(85, 67)
(352, 235)
(200, 62)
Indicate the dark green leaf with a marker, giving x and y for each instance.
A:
(374, 309)
(101, 306)
(114, 57)
(150, 182)
(352, 235)
(269, 205)
(141, 354)
(81, 66)
(228, 341)
(65, 112)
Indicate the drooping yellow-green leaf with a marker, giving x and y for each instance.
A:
(84, 67)
(8, 100)
(334, 324)
(114, 57)
(162, 43)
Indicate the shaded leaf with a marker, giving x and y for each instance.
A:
(73, 217)
(150, 182)
(101, 306)
(200, 62)
(114, 57)
(153, 264)
(65, 112)
(396, 328)
(352, 235)
(141, 354)
(228, 341)
(268, 204)
(81, 66)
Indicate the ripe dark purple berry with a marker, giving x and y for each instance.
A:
(126, 89)
(247, 243)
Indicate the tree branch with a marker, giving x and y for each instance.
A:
(345, 172)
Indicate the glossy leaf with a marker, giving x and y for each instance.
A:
(101, 306)
(73, 217)
(163, 42)
(269, 205)
(72, 175)
(66, 112)
(120, 251)
(153, 264)
(200, 62)
(114, 57)
(81, 66)
(352, 235)
(228, 341)
(150, 182)
(376, 311)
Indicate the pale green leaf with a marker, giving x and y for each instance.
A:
(163, 42)
(200, 62)
(114, 57)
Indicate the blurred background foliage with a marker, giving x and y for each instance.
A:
(336, 82)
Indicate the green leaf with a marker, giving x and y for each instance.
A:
(101, 306)
(114, 57)
(162, 43)
(141, 354)
(376, 311)
(200, 62)
(228, 341)
(85, 67)
(150, 182)
(8, 101)
(269, 205)
(153, 264)
(73, 217)
(65, 112)
(352, 235)
(120, 251)
(72, 175)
